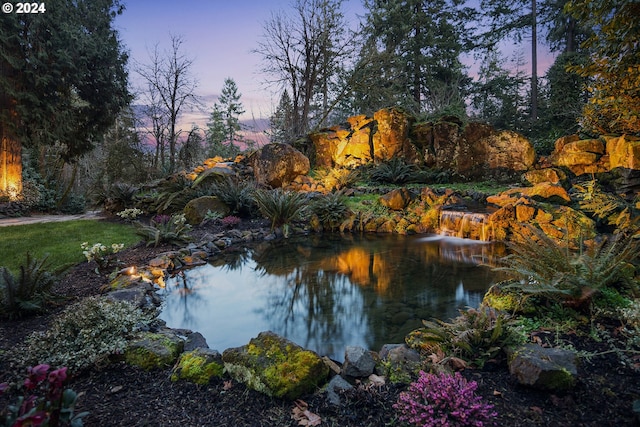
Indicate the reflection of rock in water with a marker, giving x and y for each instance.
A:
(327, 293)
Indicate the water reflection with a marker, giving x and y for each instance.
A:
(325, 293)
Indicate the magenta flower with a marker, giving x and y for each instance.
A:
(37, 374)
(442, 401)
(58, 377)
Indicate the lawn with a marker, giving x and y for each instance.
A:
(61, 240)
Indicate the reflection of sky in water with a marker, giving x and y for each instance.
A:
(325, 295)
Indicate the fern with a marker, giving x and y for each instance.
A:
(545, 268)
(30, 291)
(604, 206)
(476, 335)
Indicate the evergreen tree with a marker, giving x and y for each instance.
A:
(416, 45)
(63, 76)
(280, 123)
(231, 109)
(216, 135)
(566, 94)
(498, 96)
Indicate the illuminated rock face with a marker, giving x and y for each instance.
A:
(474, 151)
(10, 168)
(277, 165)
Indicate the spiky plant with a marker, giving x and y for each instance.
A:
(28, 292)
(331, 210)
(165, 229)
(237, 195)
(544, 267)
(280, 207)
(395, 171)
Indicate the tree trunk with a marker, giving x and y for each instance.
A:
(534, 63)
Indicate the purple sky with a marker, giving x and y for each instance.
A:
(219, 35)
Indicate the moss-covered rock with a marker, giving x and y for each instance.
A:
(196, 210)
(543, 368)
(275, 366)
(154, 350)
(198, 366)
(500, 297)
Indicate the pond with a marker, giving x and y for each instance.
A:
(329, 292)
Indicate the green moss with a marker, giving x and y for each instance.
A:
(196, 367)
(277, 367)
(154, 351)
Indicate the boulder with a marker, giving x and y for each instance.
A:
(624, 152)
(196, 210)
(275, 366)
(336, 385)
(358, 362)
(399, 363)
(538, 176)
(154, 350)
(397, 199)
(475, 152)
(198, 366)
(277, 165)
(550, 369)
(363, 140)
(390, 138)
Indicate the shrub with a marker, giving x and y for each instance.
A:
(337, 178)
(280, 207)
(547, 269)
(476, 335)
(395, 171)
(331, 210)
(85, 334)
(53, 407)
(443, 400)
(29, 291)
(238, 196)
(165, 229)
(116, 197)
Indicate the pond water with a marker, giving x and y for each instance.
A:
(328, 292)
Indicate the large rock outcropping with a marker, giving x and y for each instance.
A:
(473, 151)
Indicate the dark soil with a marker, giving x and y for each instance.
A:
(120, 395)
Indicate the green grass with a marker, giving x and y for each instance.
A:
(61, 240)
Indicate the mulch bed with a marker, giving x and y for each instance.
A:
(121, 395)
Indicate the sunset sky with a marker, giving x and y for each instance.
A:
(220, 36)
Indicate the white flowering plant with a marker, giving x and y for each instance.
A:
(130, 214)
(103, 255)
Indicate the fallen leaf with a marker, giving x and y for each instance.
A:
(227, 385)
(377, 380)
(497, 393)
(457, 364)
(303, 416)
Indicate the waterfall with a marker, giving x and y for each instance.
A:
(468, 225)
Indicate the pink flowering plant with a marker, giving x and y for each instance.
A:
(443, 400)
(230, 221)
(45, 401)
